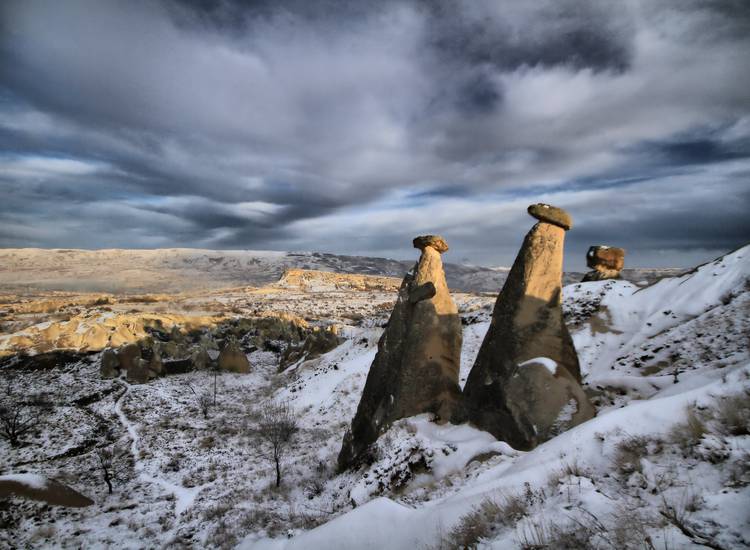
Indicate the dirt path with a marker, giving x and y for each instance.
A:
(184, 497)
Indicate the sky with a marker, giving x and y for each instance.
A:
(351, 127)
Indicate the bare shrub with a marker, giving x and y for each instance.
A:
(630, 529)
(204, 400)
(277, 426)
(111, 464)
(17, 418)
(678, 514)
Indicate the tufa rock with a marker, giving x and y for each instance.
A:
(109, 364)
(139, 372)
(551, 214)
(416, 367)
(177, 366)
(606, 263)
(317, 343)
(129, 356)
(527, 323)
(200, 358)
(545, 400)
(233, 359)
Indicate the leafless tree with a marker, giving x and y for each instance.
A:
(16, 419)
(111, 464)
(276, 428)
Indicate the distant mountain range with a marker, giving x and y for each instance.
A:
(172, 270)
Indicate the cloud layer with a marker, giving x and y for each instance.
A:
(352, 126)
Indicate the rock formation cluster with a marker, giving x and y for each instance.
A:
(170, 353)
(605, 262)
(524, 387)
(417, 363)
(223, 347)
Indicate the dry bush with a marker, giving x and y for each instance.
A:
(535, 535)
(688, 434)
(221, 536)
(739, 470)
(485, 521)
(733, 415)
(216, 511)
(630, 529)
(18, 418)
(111, 463)
(678, 514)
(207, 442)
(628, 454)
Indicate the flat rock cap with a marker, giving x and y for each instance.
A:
(435, 241)
(551, 214)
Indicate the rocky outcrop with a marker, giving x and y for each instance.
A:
(416, 367)
(316, 344)
(95, 330)
(545, 400)
(606, 262)
(233, 359)
(319, 281)
(506, 394)
(109, 366)
(139, 362)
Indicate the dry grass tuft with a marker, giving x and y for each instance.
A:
(486, 521)
(733, 415)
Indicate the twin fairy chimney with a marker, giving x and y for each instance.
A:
(524, 387)
(606, 262)
(419, 355)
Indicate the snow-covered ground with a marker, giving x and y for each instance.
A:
(665, 464)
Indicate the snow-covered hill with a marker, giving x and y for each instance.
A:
(665, 464)
(184, 270)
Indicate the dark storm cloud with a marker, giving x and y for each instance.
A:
(351, 126)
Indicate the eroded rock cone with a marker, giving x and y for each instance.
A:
(606, 262)
(510, 392)
(419, 355)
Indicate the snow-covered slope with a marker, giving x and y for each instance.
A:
(641, 340)
(664, 464)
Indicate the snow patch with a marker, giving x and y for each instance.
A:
(549, 364)
(33, 481)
